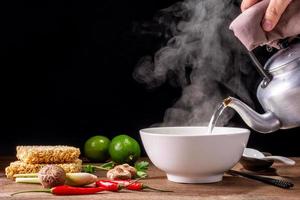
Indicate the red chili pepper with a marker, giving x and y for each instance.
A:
(68, 190)
(128, 184)
(109, 186)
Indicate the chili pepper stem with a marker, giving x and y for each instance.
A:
(155, 189)
(102, 168)
(26, 191)
(120, 187)
(131, 158)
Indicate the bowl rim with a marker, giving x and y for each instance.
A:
(238, 131)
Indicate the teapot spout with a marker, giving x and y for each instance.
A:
(263, 123)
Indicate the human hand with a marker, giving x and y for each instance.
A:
(273, 13)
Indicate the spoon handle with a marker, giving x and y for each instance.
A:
(285, 160)
(276, 182)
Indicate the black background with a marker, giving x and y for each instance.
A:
(67, 74)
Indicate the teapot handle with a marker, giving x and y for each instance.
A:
(267, 78)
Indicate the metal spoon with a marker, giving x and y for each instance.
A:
(253, 153)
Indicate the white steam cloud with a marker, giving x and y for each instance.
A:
(207, 60)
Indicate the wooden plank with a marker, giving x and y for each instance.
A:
(230, 188)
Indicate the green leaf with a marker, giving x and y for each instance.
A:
(108, 165)
(141, 174)
(89, 169)
(92, 168)
(141, 166)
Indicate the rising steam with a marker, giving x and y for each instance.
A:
(208, 61)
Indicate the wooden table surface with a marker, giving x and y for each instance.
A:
(230, 188)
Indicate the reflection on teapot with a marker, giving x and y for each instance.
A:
(278, 93)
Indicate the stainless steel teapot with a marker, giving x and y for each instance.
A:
(278, 93)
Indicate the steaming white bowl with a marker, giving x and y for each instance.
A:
(191, 155)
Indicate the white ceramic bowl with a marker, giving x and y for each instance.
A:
(191, 155)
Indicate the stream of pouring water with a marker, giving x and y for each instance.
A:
(214, 119)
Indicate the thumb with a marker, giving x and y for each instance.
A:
(273, 13)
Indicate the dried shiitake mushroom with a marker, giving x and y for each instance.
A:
(124, 171)
(129, 168)
(51, 176)
(118, 173)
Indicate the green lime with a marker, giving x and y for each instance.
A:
(124, 149)
(96, 148)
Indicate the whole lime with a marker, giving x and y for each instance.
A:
(96, 148)
(124, 149)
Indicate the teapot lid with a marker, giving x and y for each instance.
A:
(283, 58)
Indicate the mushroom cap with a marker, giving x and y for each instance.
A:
(129, 168)
(118, 173)
(51, 176)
